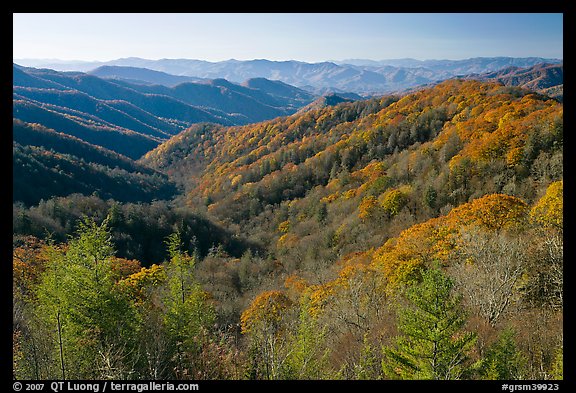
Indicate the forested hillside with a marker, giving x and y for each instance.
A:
(132, 118)
(46, 164)
(543, 78)
(77, 133)
(399, 237)
(457, 141)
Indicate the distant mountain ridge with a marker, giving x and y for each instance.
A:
(357, 75)
(79, 133)
(140, 75)
(544, 78)
(324, 101)
(133, 118)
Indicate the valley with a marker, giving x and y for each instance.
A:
(288, 220)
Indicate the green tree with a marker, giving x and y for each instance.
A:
(322, 213)
(392, 201)
(430, 197)
(557, 371)
(308, 356)
(503, 359)
(433, 344)
(49, 309)
(94, 323)
(188, 312)
(369, 364)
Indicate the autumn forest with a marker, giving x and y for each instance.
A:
(400, 236)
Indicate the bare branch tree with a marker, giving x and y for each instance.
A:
(487, 270)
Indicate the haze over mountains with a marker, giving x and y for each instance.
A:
(86, 129)
(358, 76)
(78, 133)
(111, 112)
(140, 75)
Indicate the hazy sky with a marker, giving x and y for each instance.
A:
(280, 36)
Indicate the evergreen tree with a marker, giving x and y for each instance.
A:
(49, 310)
(557, 371)
(503, 359)
(188, 314)
(433, 344)
(322, 213)
(93, 323)
(308, 355)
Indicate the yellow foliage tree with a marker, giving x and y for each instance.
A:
(392, 201)
(137, 284)
(402, 258)
(284, 226)
(265, 322)
(548, 211)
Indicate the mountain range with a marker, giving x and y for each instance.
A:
(130, 118)
(365, 77)
(173, 226)
(86, 130)
(142, 76)
(78, 133)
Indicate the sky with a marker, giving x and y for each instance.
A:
(310, 37)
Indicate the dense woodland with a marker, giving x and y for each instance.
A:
(46, 163)
(400, 237)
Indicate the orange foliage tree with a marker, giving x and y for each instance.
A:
(267, 310)
(417, 247)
